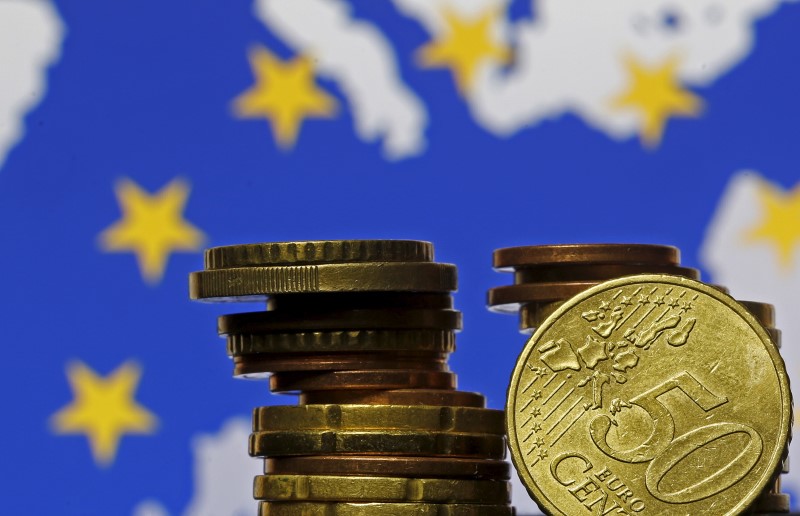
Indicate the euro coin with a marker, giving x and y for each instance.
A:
(526, 256)
(436, 397)
(329, 488)
(649, 394)
(381, 509)
(257, 366)
(420, 467)
(292, 382)
(597, 272)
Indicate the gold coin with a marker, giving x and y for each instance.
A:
(258, 366)
(324, 251)
(597, 272)
(764, 312)
(289, 382)
(585, 253)
(251, 283)
(285, 321)
(359, 300)
(329, 488)
(419, 467)
(652, 394)
(395, 397)
(380, 442)
(363, 417)
(436, 341)
(381, 509)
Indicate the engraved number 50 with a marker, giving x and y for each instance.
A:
(665, 452)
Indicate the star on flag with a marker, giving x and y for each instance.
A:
(780, 221)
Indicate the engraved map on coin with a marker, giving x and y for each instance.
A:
(648, 395)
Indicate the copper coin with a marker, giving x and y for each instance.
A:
(419, 467)
(287, 382)
(355, 300)
(596, 272)
(257, 366)
(507, 299)
(532, 315)
(764, 312)
(396, 397)
(585, 253)
(304, 321)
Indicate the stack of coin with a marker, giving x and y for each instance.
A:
(362, 331)
(545, 277)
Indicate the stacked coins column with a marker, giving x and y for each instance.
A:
(546, 276)
(362, 331)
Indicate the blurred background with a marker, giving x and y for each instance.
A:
(133, 134)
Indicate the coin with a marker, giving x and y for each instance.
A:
(381, 509)
(363, 417)
(358, 300)
(509, 257)
(597, 272)
(381, 319)
(252, 283)
(257, 366)
(377, 442)
(764, 312)
(639, 395)
(435, 341)
(771, 503)
(287, 382)
(531, 315)
(330, 488)
(323, 251)
(421, 467)
(508, 298)
(396, 397)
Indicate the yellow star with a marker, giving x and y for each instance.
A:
(463, 47)
(780, 222)
(103, 409)
(284, 94)
(152, 226)
(656, 94)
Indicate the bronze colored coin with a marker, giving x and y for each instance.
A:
(374, 417)
(359, 300)
(314, 252)
(294, 382)
(597, 272)
(386, 319)
(330, 488)
(258, 366)
(771, 503)
(764, 312)
(376, 442)
(381, 509)
(652, 394)
(435, 341)
(527, 256)
(415, 467)
(396, 397)
(509, 298)
(252, 283)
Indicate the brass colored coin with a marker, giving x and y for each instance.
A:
(652, 394)
(764, 312)
(527, 256)
(290, 382)
(508, 298)
(329, 488)
(597, 272)
(415, 467)
(436, 341)
(771, 503)
(314, 252)
(359, 300)
(381, 509)
(396, 397)
(251, 283)
(376, 442)
(257, 366)
(364, 417)
(282, 321)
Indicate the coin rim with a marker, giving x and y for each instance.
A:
(774, 463)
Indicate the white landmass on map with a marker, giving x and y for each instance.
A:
(223, 475)
(571, 57)
(30, 41)
(751, 270)
(361, 61)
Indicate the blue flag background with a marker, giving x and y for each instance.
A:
(134, 134)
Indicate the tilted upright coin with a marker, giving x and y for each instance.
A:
(649, 394)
